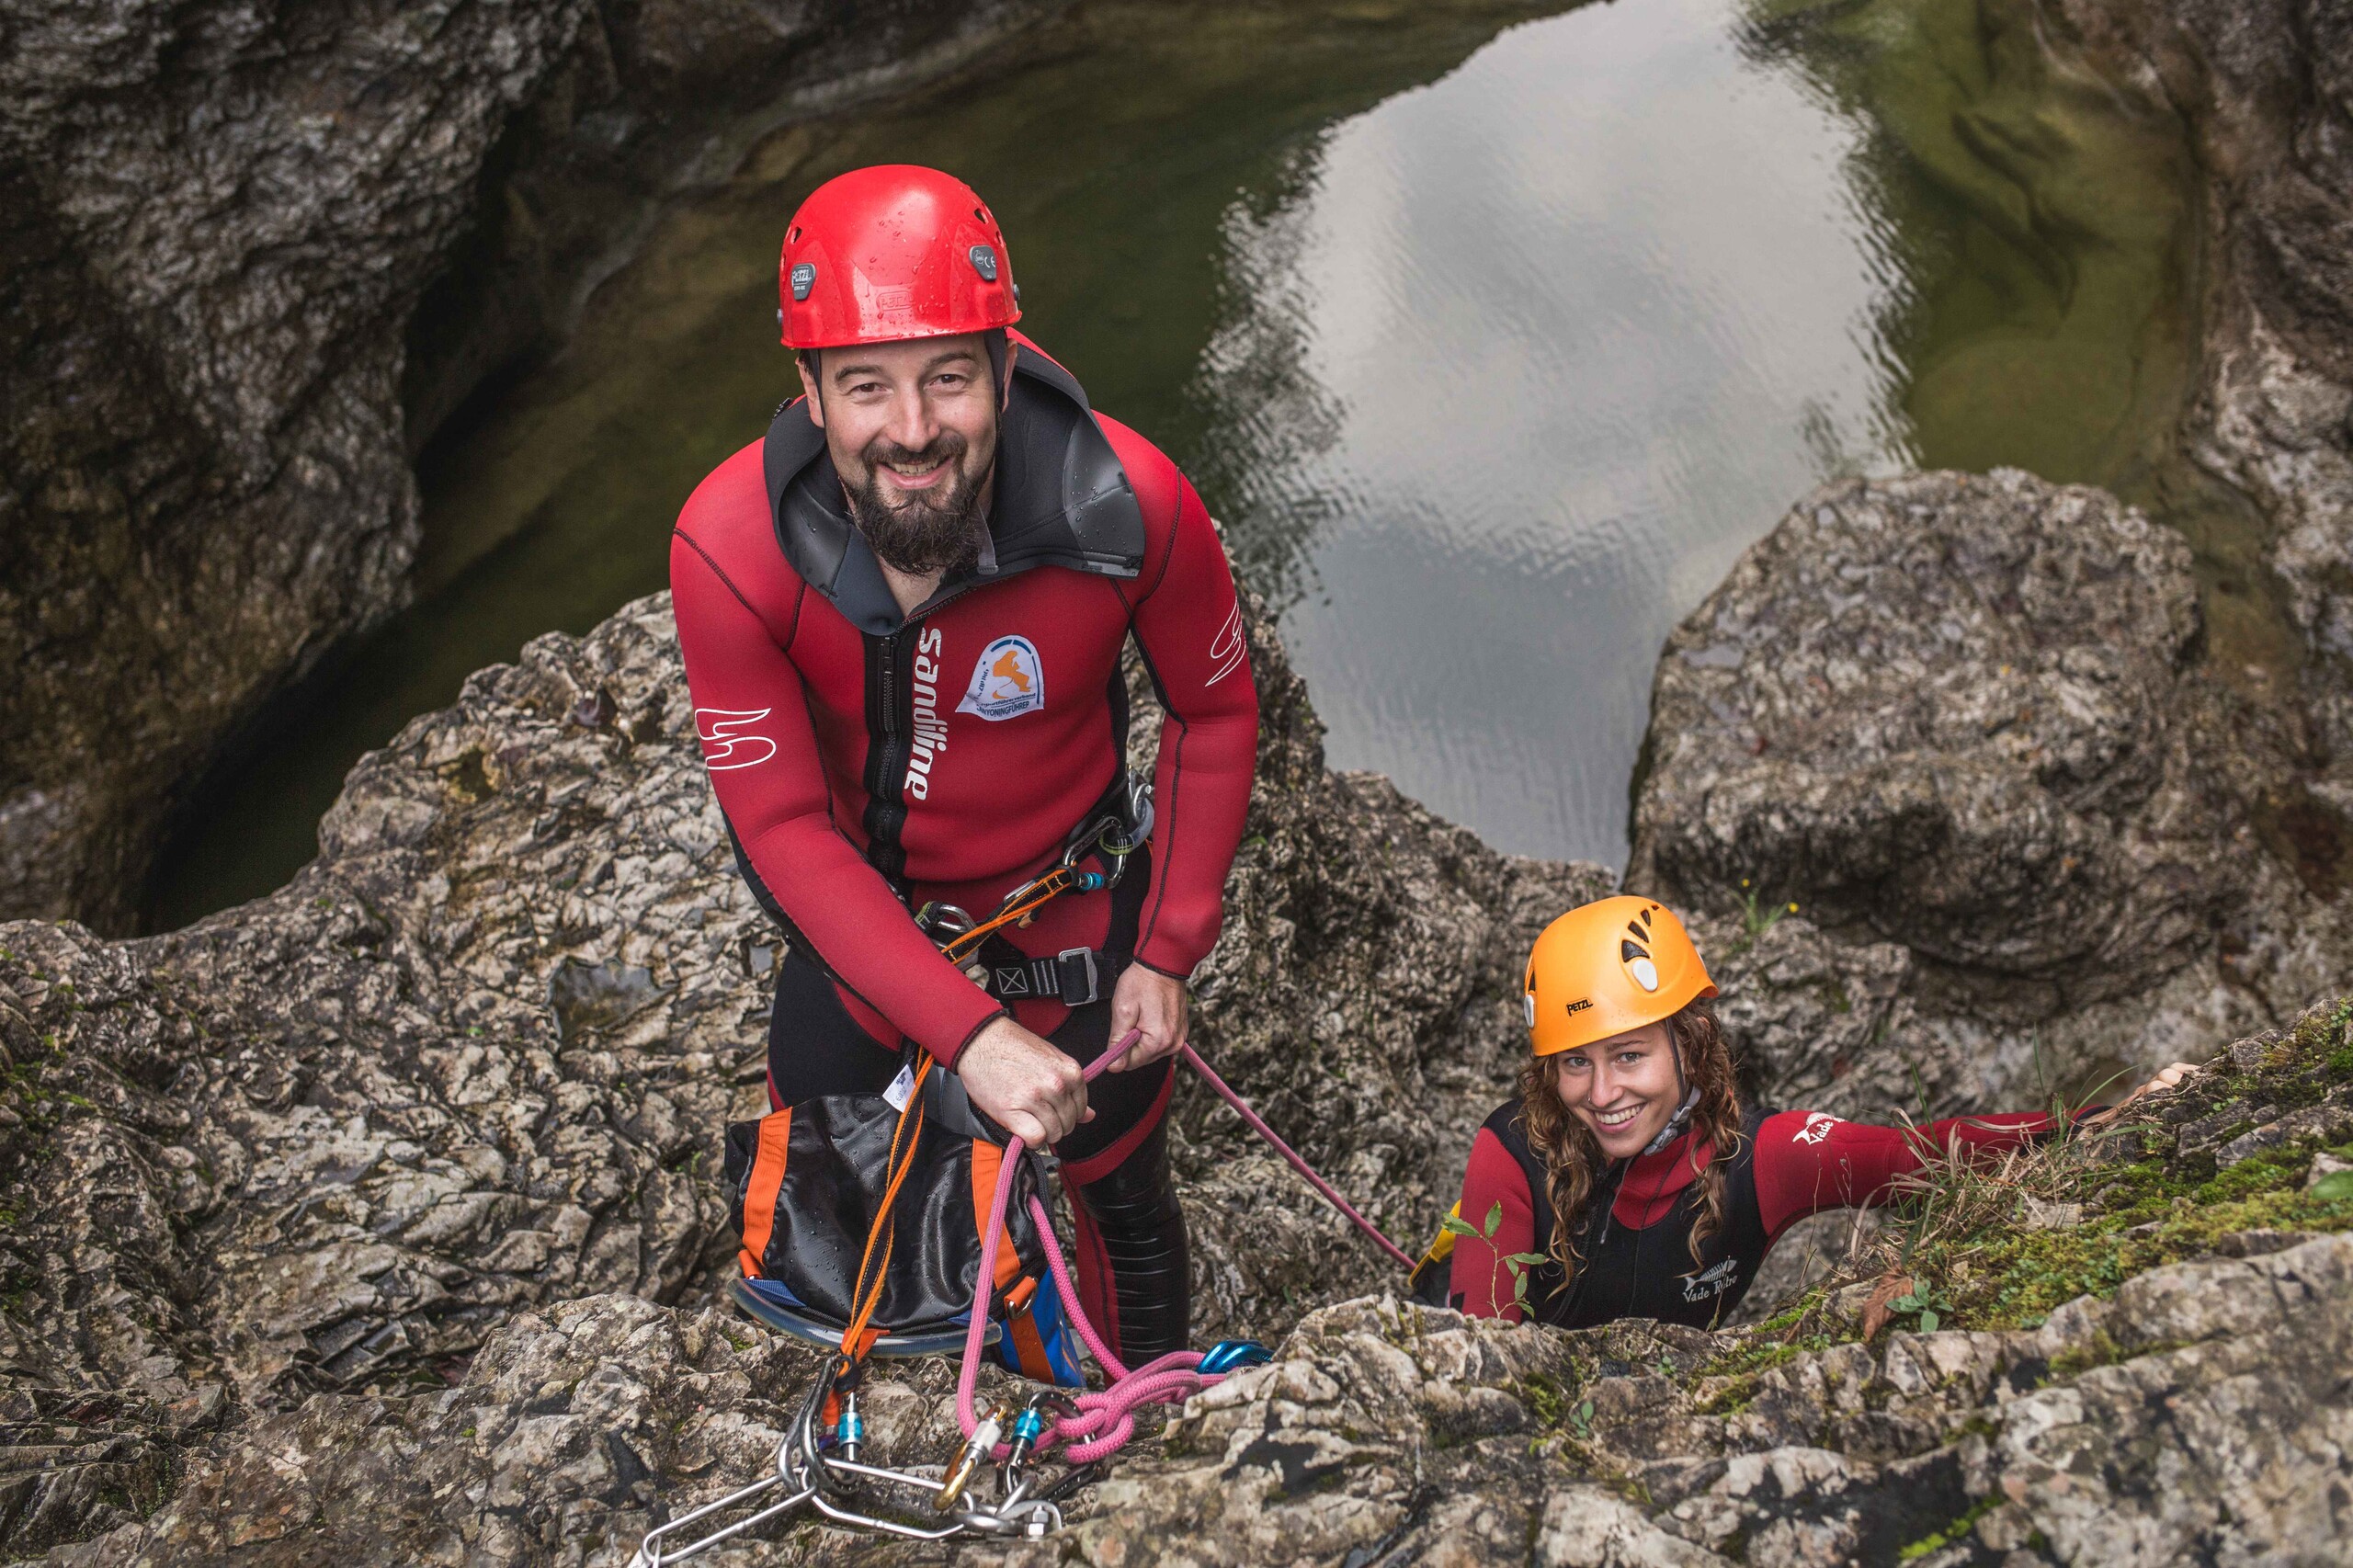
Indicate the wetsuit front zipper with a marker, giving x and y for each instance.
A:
(890, 721)
(890, 728)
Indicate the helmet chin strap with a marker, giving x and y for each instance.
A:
(1675, 1125)
(1682, 1117)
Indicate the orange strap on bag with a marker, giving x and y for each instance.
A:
(860, 1336)
(760, 1195)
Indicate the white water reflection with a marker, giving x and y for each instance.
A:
(1570, 328)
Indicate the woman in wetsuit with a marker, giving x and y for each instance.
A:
(1617, 1197)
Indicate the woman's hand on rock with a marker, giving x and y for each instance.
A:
(1026, 1086)
(2170, 1078)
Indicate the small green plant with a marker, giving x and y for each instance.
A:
(2333, 1187)
(1756, 920)
(1924, 1301)
(1519, 1263)
(1952, 1532)
(1581, 1419)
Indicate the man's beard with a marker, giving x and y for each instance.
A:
(928, 530)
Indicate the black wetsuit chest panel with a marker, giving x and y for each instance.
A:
(1643, 1271)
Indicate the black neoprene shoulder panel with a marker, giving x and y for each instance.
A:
(1062, 498)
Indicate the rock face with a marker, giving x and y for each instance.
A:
(373, 1221)
(217, 224)
(476, 1060)
(2201, 1413)
(1963, 724)
(2266, 88)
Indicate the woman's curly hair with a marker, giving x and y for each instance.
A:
(1574, 1159)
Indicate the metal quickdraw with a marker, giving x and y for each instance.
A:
(838, 1485)
(1112, 836)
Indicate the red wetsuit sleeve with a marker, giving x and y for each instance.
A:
(1810, 1161)
(1481, 1283)
(761, 751)
(1188, 624)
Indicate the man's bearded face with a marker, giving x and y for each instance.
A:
(912, 426)
(922, 531)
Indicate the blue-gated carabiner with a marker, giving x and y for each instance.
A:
(1231, 1354)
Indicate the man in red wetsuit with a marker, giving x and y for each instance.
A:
(902, 614)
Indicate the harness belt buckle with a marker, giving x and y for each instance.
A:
(1076, 976)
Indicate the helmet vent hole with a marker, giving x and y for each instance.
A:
(1628, 952)
(1637, 932)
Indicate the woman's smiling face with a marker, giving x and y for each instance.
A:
(1623, 1088)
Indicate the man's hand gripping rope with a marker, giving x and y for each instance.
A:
(1105, 1420)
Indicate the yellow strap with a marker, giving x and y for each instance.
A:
(1442, 1246)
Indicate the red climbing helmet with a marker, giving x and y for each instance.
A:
(892, 251)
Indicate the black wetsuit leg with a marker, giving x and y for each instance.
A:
(1129, 1223)
(815, 1047)
(1123, 1200)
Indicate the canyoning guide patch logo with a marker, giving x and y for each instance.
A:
(1711, 1281)
(1817, 1127)
(1007, 682)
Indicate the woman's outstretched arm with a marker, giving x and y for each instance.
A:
(1808, 1161)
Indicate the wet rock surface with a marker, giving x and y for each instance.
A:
(218, 223)
(475, 1061)
(2267, 89)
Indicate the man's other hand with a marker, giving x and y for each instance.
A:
(1025, 1085)
(1148, 1000)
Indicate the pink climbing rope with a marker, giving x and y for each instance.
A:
(1291, 1155)
(1106, 1417)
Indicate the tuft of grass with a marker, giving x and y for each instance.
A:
(1755, 919)
(1938, 1540)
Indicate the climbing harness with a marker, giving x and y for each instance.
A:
(990, 1486)
(1112, 836)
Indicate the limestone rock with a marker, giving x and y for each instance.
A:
(2267, 89)
(2199, 1413)
(1963, 724)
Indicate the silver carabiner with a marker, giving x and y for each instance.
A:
(934, 919)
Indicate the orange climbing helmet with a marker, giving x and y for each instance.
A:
(1608, 967)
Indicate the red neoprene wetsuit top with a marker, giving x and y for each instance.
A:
(866, 762)
(1799, 1163)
